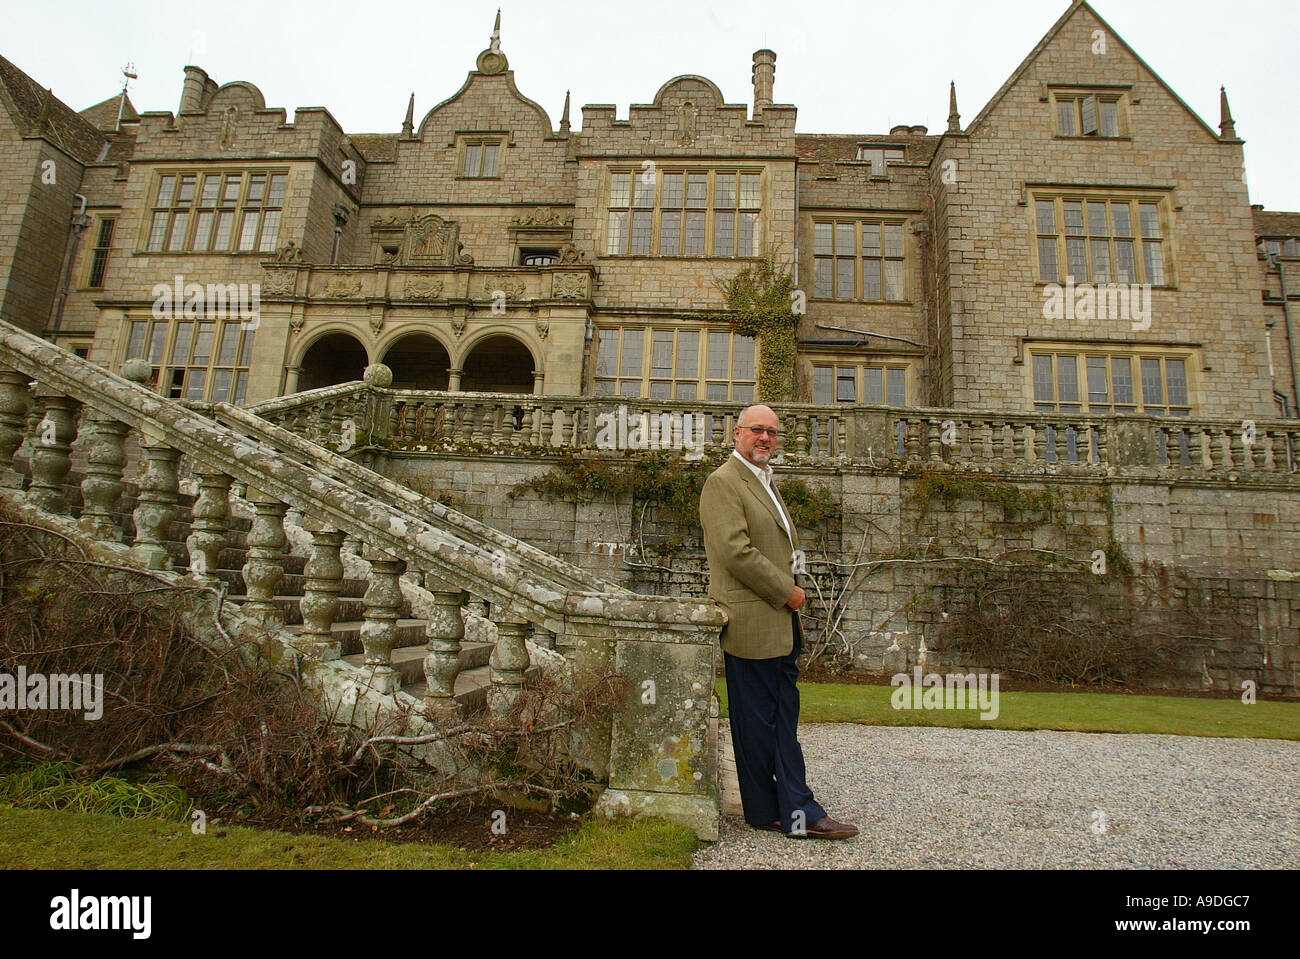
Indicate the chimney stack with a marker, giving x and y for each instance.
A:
(764, 76)
(196, 79)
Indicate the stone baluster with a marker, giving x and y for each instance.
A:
(51, 444)
(322, 581)
(102, 488)
(539, 420)
(210, 525)
(933, 439)
(497, 414)
(383, 601)
(1039, 446)
(569, 426)
(1257, 454)
(508, 662)
(477, 416)
(1021, 449)
(156, 504)
(15, 399)
(445, 632)
(263, 569)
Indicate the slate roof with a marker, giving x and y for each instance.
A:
(36, 112)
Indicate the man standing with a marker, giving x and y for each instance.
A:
(751, 547)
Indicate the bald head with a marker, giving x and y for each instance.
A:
(757, 448)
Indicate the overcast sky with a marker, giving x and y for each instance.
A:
(850, 67)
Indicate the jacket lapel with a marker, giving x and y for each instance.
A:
(758, 492)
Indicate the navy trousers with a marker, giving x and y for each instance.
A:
(763, 703)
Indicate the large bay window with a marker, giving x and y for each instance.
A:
(1099, 238)
(684, 212)
(1101, 381)
(689, 364)
(859, 259)
(219, 211)
(195, 360)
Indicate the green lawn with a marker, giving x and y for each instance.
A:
(48, 839)
(1085, 712)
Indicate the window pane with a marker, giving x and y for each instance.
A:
(246, 350)
(629, 388)
(1100, 261)
(897, 382)
(742, 392)
(1120, 217)
(694, 234)
(718, 359)
(871, 280)
(1124, 271)
(1067, 378)
(670, 233)
(248, 235)
(633, 349)
(202, 230)
(1045, 210)
(873, 388)
(181, 345)
(672, 191)
(233, 184)
(1047, 269)
(221, 386)
(1176, 377)
(716, 392)
(747, 242)
(822, 377)
(620, 189)
(1121, 374)
(686, 391)
(823, 282)
(270, 230)
(688, 355)
(1065, 118)
(1088, 115)
(1073, 218)
(166, 189)
(179, 224)
(846, 385)
(225, 222)
(211, 190)
(1077, 258)
(203, 344)
(1153, 260)
(660, 390)
(229, 343)
(724, 191)
(724, 234)
(742, 364)
(1149, 214)
(1153, 392)
(1098, 393)
(823, 237)
(844, 239)
(893, 279)
(473, 159)
(605, 387)
(194, 383)
(645, 192)
(241, 382)
(617, 231)
(844, 277)
(276, 196)
(157, 229)
(491, 151)
(135, 341)
(871, 239)
(697, 190)
(607, 355)
(1097, 219)
(1109, 119)
(661, 353)
(157, 339)
(750, 196)
(1043, 390)
(893, 239)
(641, 225)
(256, 187)
(186, 195)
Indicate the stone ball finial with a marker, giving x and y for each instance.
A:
(377, 374)
(138, 370)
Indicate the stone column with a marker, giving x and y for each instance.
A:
(209, 527)
(508, 662)
(15, 398)
(383, 602)
(263, 570)
(155, 506)
(453, 380)
(446, 632)
(51, 444)
(323, 574)
(102, 488)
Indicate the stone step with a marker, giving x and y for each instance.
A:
(472, 686)
(410, 632)
(409, 661)
(291, 584)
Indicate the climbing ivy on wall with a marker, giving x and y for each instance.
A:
(760, 305)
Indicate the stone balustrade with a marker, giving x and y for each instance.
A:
(886, 437)
(283, 468)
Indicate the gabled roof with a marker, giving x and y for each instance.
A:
(836, 146)
(103, 115)
(37, 112)
(1042, 44)
(375, 146)
(1276, 223)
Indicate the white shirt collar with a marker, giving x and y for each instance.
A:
(764, 473)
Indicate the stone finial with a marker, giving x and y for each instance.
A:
(408, 125)
(764, 76)
(377, 374)
(495, 41)
(954, 118)
(564, 117)
(492, 61)
(138, 370)
(1227, 128)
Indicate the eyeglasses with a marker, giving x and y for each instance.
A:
(760, 430)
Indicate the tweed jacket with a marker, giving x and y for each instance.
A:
(750, 562)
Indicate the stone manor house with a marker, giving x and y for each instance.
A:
(1085, 243)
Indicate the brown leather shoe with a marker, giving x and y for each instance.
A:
(773, 826)
(826, 828)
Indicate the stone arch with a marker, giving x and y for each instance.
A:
(336, 356)
(498, 362)
(419, 361)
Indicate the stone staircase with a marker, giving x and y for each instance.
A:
(472, 682)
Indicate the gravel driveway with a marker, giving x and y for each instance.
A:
(951, 798)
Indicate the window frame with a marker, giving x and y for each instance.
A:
(1077, 97)
(1133, 355)
(857, 368)
(860, 259)
(880, 169)
(708, 209)
(166, 365)
(738, 389)
(100, 252)
(1136, 236)
(237, 207)
(465, 141)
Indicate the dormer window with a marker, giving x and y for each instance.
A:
(880, 155)
(1089, 114)
(480, 158)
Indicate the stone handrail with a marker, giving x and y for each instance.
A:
(669, 641)
(840, 435)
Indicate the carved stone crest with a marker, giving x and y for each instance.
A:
(570, 286)
(342, 285)
(280, 282)
(571, 254)
(543, 216)
(423, 287)
(289, 253)
(513, 288)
